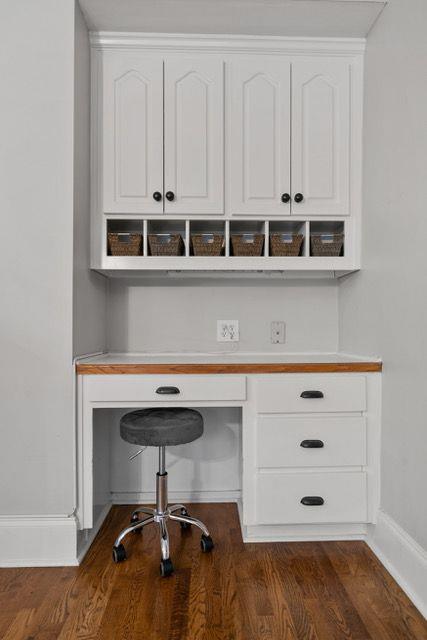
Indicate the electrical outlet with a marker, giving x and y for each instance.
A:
(277, 332)
(227, 331)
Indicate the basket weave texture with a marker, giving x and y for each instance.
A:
(326, 244)
(285, 244)
(125, 244)
(166, 244)
(207, 244)
(247, 244)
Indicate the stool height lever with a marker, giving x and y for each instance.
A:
(137, 453)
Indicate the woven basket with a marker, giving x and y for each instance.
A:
(125, 244)
(166, 244)
(207, 244)
(247, 244)
(326, 244)
(285, 244)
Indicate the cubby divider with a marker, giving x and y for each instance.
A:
(187, 239)
(267, 239)
(145, 239)
(227, 238)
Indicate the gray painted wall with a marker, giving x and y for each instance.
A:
(36, 257)
(89, 288)
(181, 315)
(383, 309)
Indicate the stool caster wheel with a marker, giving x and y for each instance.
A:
(206, 543)
(184, 525)
(134, 519)
(119, 553)
(166, 568)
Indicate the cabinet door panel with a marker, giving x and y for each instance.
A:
(259, 135)
(132, 133)
(194, 135)
(321, 136)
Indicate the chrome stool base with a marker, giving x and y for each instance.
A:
(160, 516)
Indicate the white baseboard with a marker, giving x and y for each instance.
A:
(149, 497)
(29, 541)
(404, 558)
(303, 532)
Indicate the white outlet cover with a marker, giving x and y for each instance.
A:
(278, 329)
(227, 331)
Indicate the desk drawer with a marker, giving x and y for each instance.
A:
(278, 498)
(182, 388)
(310, 441)
(281, 394)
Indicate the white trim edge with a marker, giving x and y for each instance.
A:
(87, 536)
(226, 43)
(149, 497)
(28, 541)
(403, 558)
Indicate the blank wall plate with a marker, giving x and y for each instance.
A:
(227, 331)
(278, 332)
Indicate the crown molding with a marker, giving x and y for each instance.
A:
(104, 40)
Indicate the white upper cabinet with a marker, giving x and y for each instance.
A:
(132, 126)
(194, 135)
(272, 155)
(225, 137)
(321, 137)
(259, 136)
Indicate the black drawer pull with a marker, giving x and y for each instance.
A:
(312, 444)
(312, 394)
(312, 501)
(168, 391)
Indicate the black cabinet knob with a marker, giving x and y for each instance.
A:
(312, 444)
(168, 391)
(312, 394)
(170, 196)
(285, 197)
(298, 197)
(157, 196)
(312, 501)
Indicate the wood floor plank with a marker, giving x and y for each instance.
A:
(20, 625)
(263, 591)
(384, 607)
(339, 608)
(302, 622)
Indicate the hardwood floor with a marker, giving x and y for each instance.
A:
(275, 591)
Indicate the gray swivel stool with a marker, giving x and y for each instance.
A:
(161, 428)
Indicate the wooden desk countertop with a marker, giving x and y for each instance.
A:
(214, 363)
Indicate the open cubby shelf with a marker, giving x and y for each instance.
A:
(144, 240)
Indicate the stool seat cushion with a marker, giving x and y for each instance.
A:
(161, 427)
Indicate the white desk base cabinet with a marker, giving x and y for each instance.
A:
(278, 471)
